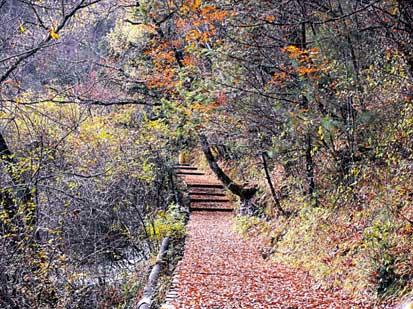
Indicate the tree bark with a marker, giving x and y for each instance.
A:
(245, 193)
(150, 288)
(310, 169)
(406, 10)
(274, 194)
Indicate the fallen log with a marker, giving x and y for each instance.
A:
(151, 285)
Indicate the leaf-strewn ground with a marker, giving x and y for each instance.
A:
(221, 269)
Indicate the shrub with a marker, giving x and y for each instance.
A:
(170, 223)
(243, 224)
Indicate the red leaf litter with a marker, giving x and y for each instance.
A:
(222, 270)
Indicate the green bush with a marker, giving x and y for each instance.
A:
(170, 223)
(379, 242)
(244, 223)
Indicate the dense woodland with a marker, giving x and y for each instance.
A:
(302, 108)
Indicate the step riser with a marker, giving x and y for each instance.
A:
(187, 168)
(211, 209)
(190, 173)
(202, 185)
(208, 196)
(206, 200)
(191, 193)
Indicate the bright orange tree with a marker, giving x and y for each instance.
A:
(179, 52)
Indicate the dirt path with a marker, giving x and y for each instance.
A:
(222, 270)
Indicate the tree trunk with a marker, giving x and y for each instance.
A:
(406, 11)
(310, 169)
(274, 194)
(245, 193)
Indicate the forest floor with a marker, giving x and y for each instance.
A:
(221, 269)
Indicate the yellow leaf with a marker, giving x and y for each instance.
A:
(320, 132)
(54, 35)
(293, 51)
(197, 4)
(184, 9)
(103, 135)
(22, 29)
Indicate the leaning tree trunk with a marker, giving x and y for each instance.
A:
(245, 193)
(275, 195)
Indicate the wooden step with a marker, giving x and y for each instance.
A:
(211, 209)
(208, 206)
(206, 185)
(208, 200)
(207, 192)
(183, 167)
(189, 173)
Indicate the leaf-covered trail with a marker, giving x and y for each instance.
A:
(220, 269)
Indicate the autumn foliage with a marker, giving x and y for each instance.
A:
(308, 102)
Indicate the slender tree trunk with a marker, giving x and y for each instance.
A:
(172, 188)
(310, 169)
(305, 104)
(406, 11)
(274, 194)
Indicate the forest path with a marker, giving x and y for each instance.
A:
(222, 270)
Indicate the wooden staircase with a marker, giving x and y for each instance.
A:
(206, 193)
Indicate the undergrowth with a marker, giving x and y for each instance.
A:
(169, 223)
(368, 254)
